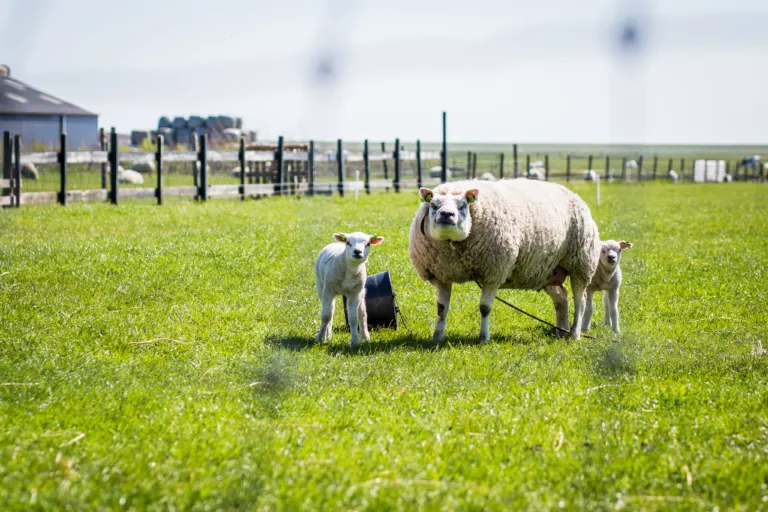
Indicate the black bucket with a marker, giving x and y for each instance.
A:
(380, 301)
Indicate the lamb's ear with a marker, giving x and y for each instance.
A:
(472, 195)
(426, 194)
(376, 240)
(625, 245)
(340, 237)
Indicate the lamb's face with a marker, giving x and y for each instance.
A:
(448, 214)
(358, 245)
(610, 253)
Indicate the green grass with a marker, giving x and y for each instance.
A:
(234, 407)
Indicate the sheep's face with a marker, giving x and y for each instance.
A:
(358, 245)
(610, 253)
(448, 214)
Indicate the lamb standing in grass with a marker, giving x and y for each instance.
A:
(607, 279)
(505, 234)
(340, 270)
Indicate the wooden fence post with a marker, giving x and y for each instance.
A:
(527, 164)
(103, 147)
(514, 159)
(501, 166)
(7, 150)
(280, 160)
(196, 171)
(63, 169)
(17, 169)
(568, 167)
(367, 167)
(202, 157)
(340, 166)
(444, 155)
(397, 165)
(311, 167)
(469, 164)
(159, 162)
(384, 162)
(419, 181)
(682, 168)
(113, 164)
(655, 165)
(474, 165)
(607, 166)
(623, 168)
(243, 167)
(640, 168)
(546, 167)
(589, 164)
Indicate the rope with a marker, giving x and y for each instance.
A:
(402, 315)
(535, 317)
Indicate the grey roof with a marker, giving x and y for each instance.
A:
(16, 97)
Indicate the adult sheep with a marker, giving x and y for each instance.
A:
(520, 234)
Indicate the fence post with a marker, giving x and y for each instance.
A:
(7, 150)
(367, 167)
(469, 164)
(397, 165)
(63, 169)
(589, 164)
(103, 147)
(568, 167)
(501, 166)
(340, 165)
(474, 165)
(527, 164)
(280, 165)
(196, 172)
(16, 188)
(159, 162)
(384, 162)
(607, 166)
(682, 168)
(311, 168)
(202, 156)
(640, 168)
(419, 180)
(243, 168)
(623, 168)
(655, 165)
(444, 155)
(514, 158)
(546, 167)
(113, 164)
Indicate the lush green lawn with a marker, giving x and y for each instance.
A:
(162, 357)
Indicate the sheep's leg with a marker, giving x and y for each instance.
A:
(613, 300)
(443, 304)
(363, 316)
(577, 288)
(559, 297)
(606, 309)
(353, 307)
(486, 304)
(326, 318)
(588, 308)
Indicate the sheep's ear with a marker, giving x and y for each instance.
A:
(376, 240)
(625, 245)
(472, 195)
(340, 237)
(426, 194)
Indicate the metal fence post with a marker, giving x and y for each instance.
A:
(159, 162)
(366, 167)
(419, 180)
(113, 164)
(397, 165)
(340, 165)
(63, 169)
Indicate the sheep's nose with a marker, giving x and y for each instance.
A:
(447, 215)
(611, 259)
(357, 252)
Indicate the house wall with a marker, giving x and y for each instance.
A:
(40, 132)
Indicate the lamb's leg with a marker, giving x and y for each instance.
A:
(443, 304)
(606, 309)
(577, 288)
(588, 308)
(363, 317)
(613, 300)
(559, 297)
(326, 318)
(486, 304)
(353, 307)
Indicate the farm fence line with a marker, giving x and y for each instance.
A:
(301, 168)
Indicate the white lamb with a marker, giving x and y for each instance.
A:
(340, 270)
(607, 279)
(129, 176)
(673, 175)
(520, 234)
(590, 175)
(537, 173)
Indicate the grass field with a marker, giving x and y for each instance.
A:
(162, 358)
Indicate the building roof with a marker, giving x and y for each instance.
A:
(16, 97)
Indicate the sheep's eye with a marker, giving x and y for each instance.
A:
(349, 244)
(434, 206)
(368, 244)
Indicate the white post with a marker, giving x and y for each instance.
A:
(357, 182)
(597, 180)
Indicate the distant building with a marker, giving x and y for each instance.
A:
(40, 118)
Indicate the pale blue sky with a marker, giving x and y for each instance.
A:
(505, 71)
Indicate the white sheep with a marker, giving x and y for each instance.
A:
(536, 164)
(487, 176)
(537, 173)
(589, 175)
(340, 270)
(29, 171)
(631, 164)
(672, 174)
(607, 279)
(129, 176)
(520, 234)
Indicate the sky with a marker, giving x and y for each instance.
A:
(550, 71)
